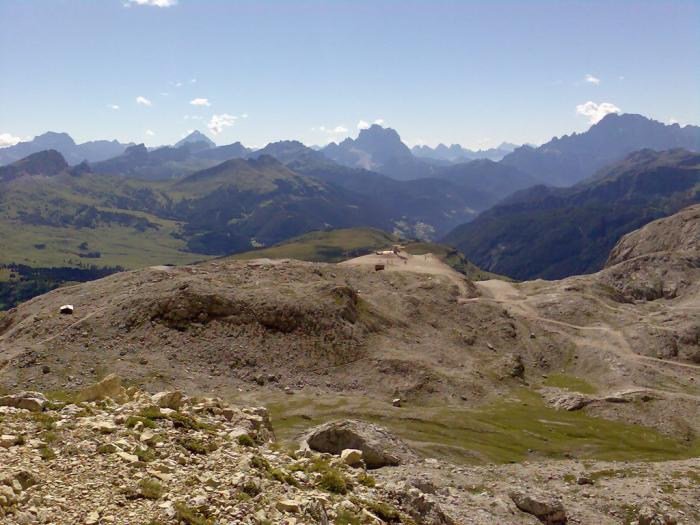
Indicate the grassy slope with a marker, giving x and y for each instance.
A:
(339, 245)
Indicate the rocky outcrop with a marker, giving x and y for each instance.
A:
(379, 447)
(32, 401)
(547, 508)
(660, 260)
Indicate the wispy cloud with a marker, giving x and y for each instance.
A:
(149, 133)
(112, 106)
(219, 122)
(152, 3)
(193, 81)
(143, 101)
(7, 139)
(193, 117)
(591, 79)
(595, 112)
(200, 102)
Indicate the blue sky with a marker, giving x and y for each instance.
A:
(470, 72)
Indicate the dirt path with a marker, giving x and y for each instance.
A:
(508, 295)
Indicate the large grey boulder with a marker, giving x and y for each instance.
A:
(379, 447)
(545, 507)
(32, 401)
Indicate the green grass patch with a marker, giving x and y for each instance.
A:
(501, 432)
(570, 382)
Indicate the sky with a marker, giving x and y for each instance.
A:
(473, 72)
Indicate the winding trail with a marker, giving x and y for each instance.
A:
(510, 297)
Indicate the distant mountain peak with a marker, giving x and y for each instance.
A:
(194, 138)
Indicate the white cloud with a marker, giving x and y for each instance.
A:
(193, 117)
(595, 112)
(339, 129)
(193, 81)
(219, 122)
(178, 84)
(245, 115)
(149, 133)
(112, 106)
(7, 139)
(363, 124)
(143, 100)
(591, 79)
(200, 102)
(164, 94)
(673, 120)
(153, 3)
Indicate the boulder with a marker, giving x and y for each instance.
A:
(379, 447)
(545, 507)
(110, 387)
(32, 401)
(173, 400)
(351, 456)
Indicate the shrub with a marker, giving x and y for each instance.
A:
(190, 516)
(245, 440)
(334, 481)
(150, 489)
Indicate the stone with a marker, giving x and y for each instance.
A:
(129, 458)
(105, 427)
(92, 518)
(288, 505)
(379, 447)
(109, 387)
(545, 507)
(32, 401)
(396, 402)
(173, 400)
(8, 440)
(66, 309)
(351, 456)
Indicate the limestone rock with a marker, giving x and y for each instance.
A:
(379, 446)
(547, 508)
(32, 401)
(110, 386)
(172, 400)
(351, 456)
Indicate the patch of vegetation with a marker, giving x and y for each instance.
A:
(245, 440)
(346, 517)
(146, 455)
(189, 516)
(505, 431)
(365, 479)
(197, 446)
(332, 480)
(570, 382)
(283, 477)
(131, 422)
(46, 453)
(384, 511)
(151, 489)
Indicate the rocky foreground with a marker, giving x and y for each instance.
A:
(107, 454)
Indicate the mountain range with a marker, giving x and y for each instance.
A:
(572, 158)
(550, 233)
(457, 153)
(195, 199)
(92, 151)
